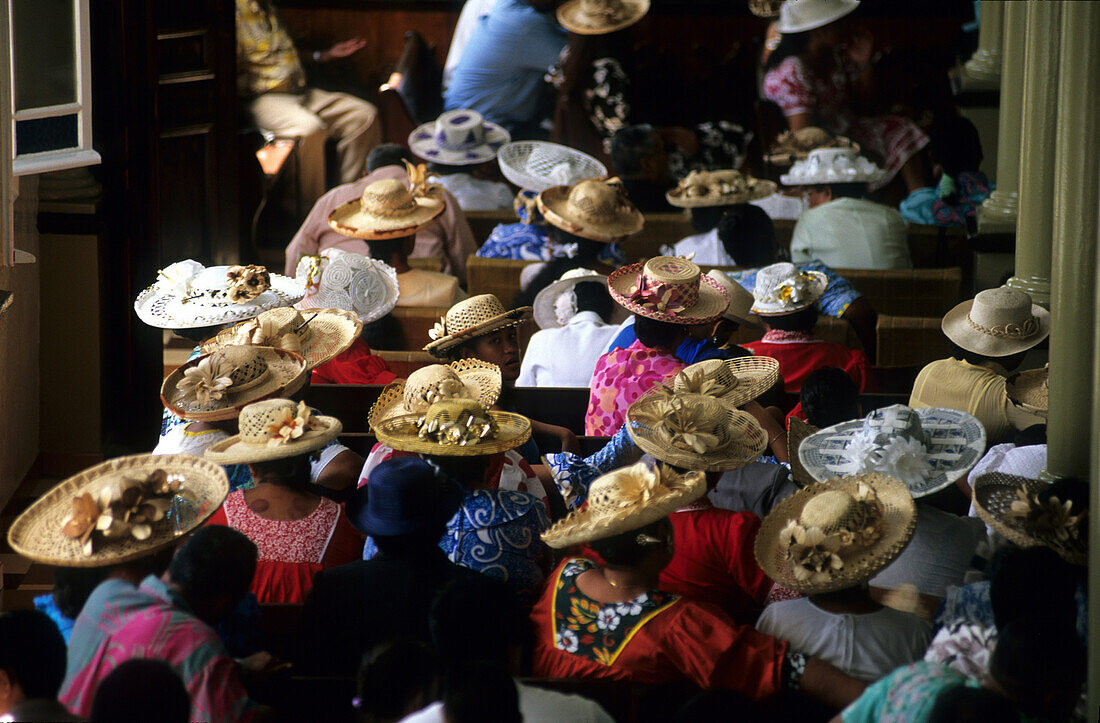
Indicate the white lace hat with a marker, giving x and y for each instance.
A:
(539, 165)
(783, 288)
(552, 308)
(458, 138)
(798, 16)
(339, 279)
(832, 165)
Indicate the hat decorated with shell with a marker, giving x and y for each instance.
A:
(793, 146)
(668, 288)
(275, 429)
(462, 379)
(927, 449)
(798, 16)
(732, 381)
(1023, 511)
(624, 500)
(338, 279)
(454, 427)
(695, 431)
(458, 138)
(740, 306)
(120, 510)
(217, 385)
(831, 536)
(599, 17)
(997, 322)
(832, 165)
(318, 336)
(718, 188)
(188, 295)
(556, 304)
(1030, 390)
(390, 209)
(470, 318)
(539, 165)
(783, 288)
(593, 209)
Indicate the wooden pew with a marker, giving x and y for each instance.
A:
(404, 363)
(413, 323)
(910, 341)
(908, 292)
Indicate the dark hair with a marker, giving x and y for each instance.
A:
(1028, 582)
(584, 51)
(829, 396)
(293, 472)
(470, 598)
(199, 334)
(1040, 663)
(388, 154)
(393, 677)
(963, 704)
(481, 691)
(552, 270)
(73, 585)
(32, 652)
(141, 688)
(748, 235)
(954, 143)
(404, 545)
(789, 44)
(657, 334)
(1029, 436)
(801, 320)
(383, 333)
(630, 145)
(842, 190)
(593, 296)
(383, 249)
(968, 356)
(215, 561)
(623, 549)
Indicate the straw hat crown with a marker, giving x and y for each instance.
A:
(734, 381)
(434, 382)
(390, 209)
(594, 209)
(275, 429)
(784, 289)
(387, 198)
(718, 188)
(997, 322)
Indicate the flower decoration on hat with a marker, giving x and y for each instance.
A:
(309, 271)
(247, 282)
(656, 295)
(1052, 521)
(690, 427)
(175, 279)
(699, 380)
(455, 422)
(418, 179)
(290, 426)
(832, 524)
(207, 381)
(812, 553)
(439, 330)
(894, 452)
(269, 331)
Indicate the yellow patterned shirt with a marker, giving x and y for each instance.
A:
(266, 59)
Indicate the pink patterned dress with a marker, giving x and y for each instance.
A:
(620, 377)
(796, 90)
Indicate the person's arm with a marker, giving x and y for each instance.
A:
(798, 121)
(569, 442)
(777, 435)
(829, 685)
(343, 49)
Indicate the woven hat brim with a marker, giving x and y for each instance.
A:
(483, 382)
(755, 375)
(1028, 391)
(37, 533)
(164, 311)
(329, 299)
(423, 144)
(956, 443)
(350, 220)
(554, 206)
(236, 451)
(762, 189)
(777, 157)
(332, 331)
(994, 493)
(543, 306)
(401, 434)
(956, 327)
(748, 440)
(570, 18)
(287, 373)
(711, 304)
(899, 522)
(518, 152)
(842, 9)
(511, 317)
(818, 283)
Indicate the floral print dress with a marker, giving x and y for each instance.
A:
(620, 377)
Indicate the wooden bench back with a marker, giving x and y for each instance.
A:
(413, 323)
(910, 341)
(908, 292)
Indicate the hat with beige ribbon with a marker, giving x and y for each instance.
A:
(718, 188)
(783, 288)
(463, 379)
(997, 322)
(454, 427)
(470, 318)
(594, 209)
(668, 288)
(390, 209)
(599, 17)
(275, 429)
(317, 335)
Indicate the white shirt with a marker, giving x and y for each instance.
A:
(1007, 458)
(536, 705)
(707, 247)
(852, 233)
(866, 646)
(781, 206)
(476, 194)
(938, 555)
(566, 356)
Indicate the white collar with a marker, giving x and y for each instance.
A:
(585, 317)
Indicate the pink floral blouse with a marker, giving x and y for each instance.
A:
(620, 377)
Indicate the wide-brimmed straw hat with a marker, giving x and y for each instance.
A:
(599, 17)
(454, 428)
(695, 431)
(927, 449)
(120, 510)
(624, 500)
(275, 429)
(798, 16)
(458, 138)
(553, 309)
(732, 381)
(997, 322)
(216, 386)
(741, 301)
(470, 318)
(793, 146)
(1010, 505)
(718, 188)
(406, 495)
(1030, 390)
(668, 288)
(317, 335)
(463, 379)
(592, 209)
(539, 165)
(338, 279)
(832, 165)
(783, 288)
(188, 295)
(831, 536)
(390, 209)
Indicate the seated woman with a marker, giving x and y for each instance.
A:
(296, 531)
(955, 151)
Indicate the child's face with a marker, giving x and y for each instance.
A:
(500, 348)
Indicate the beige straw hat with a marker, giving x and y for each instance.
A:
(599, 17)
(388, 209)
(275, 429)
(624, 500)
(120, 510)
(470, 318)
(318, 335)
(594, 209)
(1010, 505)
(740, 307)
(836, 535)
(798, 16)
(997, 322)
(783, 288)
(668, 288)
(216, 386)
(765, 8)
(464, 379)
(1030, 390)
(732, 381)
(718, 188)
(793, 146)
(454, 428)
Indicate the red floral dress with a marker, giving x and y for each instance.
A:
(620, 377)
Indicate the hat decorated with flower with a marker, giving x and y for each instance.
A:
(275, 429)
(390, 209)
(454, 427)
(732, 381)
(783, 288)
(718, 188)
(338, 279)
(599, 17)
(997, 322)
(668, 288)
(539, 165)
(470, 318)
(595, 209)
(836, 535)
(824, 166)
(927, 449)
(1024, 511)
(458, 138)
(462, 379)
(793, 146)
(318, 335)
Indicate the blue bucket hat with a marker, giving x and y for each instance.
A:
(405, 495)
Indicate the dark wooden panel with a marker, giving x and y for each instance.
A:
(187, 102)
(183, 53)
(188, 198)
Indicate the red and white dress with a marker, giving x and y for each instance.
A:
(800, 353)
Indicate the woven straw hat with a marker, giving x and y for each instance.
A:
(997, 322)
(624, 500)
(718, 188)
(593, 209)
(798, 16)
(832, 165)
(732, 381)
(836, 535)
(318, 336)
(217, 385)
(928, 448)
(187, 295)
(458, 138)
(695, 432)
(793, 146)
(464, 379)
(549, 299)
(1010, 505)
(783, 288)
(39, 533)
(539, 165)
(454, 428)
(275, 429)
(1030, 390)
(388, 208)
(338, 279)
(668, 288)
(740, 306)
(599, 17)
(470, 318)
